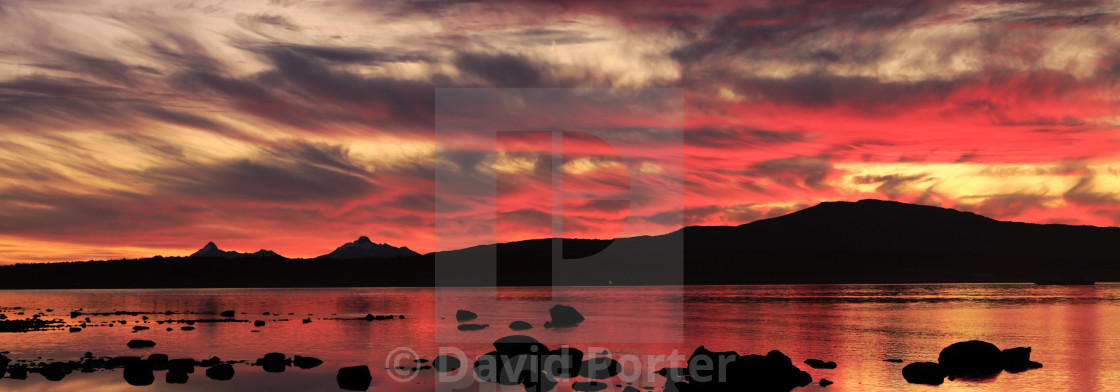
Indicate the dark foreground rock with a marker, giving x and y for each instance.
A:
(564, 362)
(820, 364)
(514, 345)
(520, 326)
(728, 371)
(306, 362)
(563, 316)
(465, 315)
(971, 359)
(141, 343)
(600, 368)
(176, 378)
(473, 327)
(1018, 359)
(273, 362)
(446, 363)
(139, 374)
(355, 378)
(223, 372)
(929, 373)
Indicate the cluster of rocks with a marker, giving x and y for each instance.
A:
(730, 371)
(970, 360)
(562, 316)
(137, 371)
(520, 359)
(277, 362)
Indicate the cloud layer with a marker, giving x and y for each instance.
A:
(134, 128)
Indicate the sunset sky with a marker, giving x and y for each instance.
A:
(135, 128)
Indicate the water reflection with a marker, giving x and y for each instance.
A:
(858, 326)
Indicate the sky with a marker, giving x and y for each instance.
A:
(135, 128)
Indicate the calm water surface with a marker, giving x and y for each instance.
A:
(1074, 331)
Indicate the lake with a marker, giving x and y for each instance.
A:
(1073, 331)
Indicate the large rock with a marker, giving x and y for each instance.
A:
(503, 369)
(182, 365)
(971, 359)
(176, 378)
(141, 343)
(600, 368)
(520, 326)
(139, 374)
(729, 371)
(514, 345)
(1018, 359)
(540, 382)
(473, 327)
(273, 362)
(306, 362)
(564, 362)
(820, 364)
(354, 378)
(563, 316)
(465, 315)
(158, 361)
(228, 313)
(446, 363)
(54, 371)
(4, 361)
(929, 373)
(222, 372)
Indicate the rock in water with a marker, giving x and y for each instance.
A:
(141, 343)
(539, 382)
(563, 316)
(564, 362)
(727, 371)
(4, 361)
(825, 382)
(158, 361)
(465, 315)
(446, 363)
(228, 313)
(588, 386)
(519, 344)
(971, 359)
(929, 373)
(223, 372)
(820, 364)
(355, 378)
(473, 327)
(1018, 359)
(520, 326)
(139, 374)
(183, 365)
(273, 362)
(600, 368)
(176, 378)
(306, 362)
(54, 371)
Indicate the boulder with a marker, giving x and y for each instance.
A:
(465, 315)
(600, 368)
(514, 345)
(228, 313)
(493, 367)
(539, 382)
(222, 372)
(176, 378)
(710, 370)
(446, 363)
(820, 364)
(158, 361)
(1018, 359)
(306, 362)
(258, 323)
(520, 326)
(564, 362)
(825, 382)
(141, 343)
(139, 374)
(273, 362)
(354, 378)
(588, 386)
(971, 359)
(54, 371)
(18, 372)
(563, 316)
(4, 361)
(473, 327)
(184, 365)
(929, 373)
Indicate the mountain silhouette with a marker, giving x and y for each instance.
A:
(364, 248)
(212, 251)
(868, 241)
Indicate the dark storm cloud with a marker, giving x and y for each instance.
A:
(501, 70)
(249, 180)
(800, 171)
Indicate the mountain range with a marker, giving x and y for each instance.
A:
(869, 241)
(362, 248)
